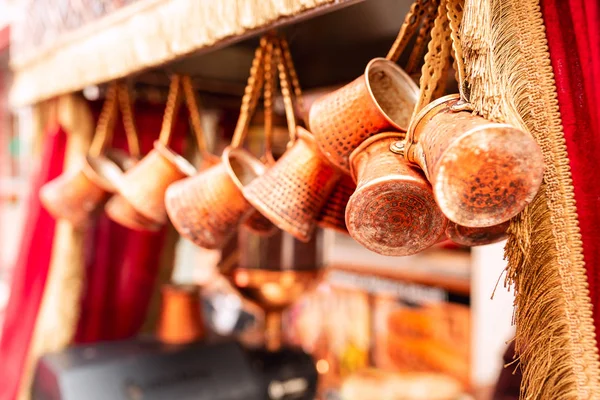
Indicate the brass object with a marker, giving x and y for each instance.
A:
(207, 208)
(180, 320)
(482, 173)
(381, 99)
(476, 236)
(293, 191)
(393, 211)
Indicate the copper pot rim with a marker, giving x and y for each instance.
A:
(182, 165)
(102, 172)
(480, 221)
(406, 82)
(368, 142)
(123, 159)
(428, 109)
(247, 160)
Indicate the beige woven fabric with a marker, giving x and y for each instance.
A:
(156, 31)
(511, 78)
(59, 310)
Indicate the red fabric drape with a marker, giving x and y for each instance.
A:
(122, 265)
(573, 32)
(31, 270)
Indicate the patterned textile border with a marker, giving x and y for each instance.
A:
(141, 35)
(512, 80)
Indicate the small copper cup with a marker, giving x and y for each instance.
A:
(383, 98)
(180, 319)
(208, 207)
(471, 237)
(482, 173)
(145, 184)
(293, 191)
(393, 211)
(78, 193)
(333, 214)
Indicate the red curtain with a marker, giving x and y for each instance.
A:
(31, 270)
(122, 265)
(573, 32)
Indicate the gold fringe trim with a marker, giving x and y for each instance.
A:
(59, 310)
(511, 78)
(143, 35)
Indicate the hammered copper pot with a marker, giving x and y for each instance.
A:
(180, 320)
(393, 211)
(383, 98)
(482, 173)
(145, 184)
(333, 214)
(207, 208)
(471, 237)
(78, 193)
(293, 191)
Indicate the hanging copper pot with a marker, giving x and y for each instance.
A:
(381, 99)
(293, 191)
(180, 320)
(482, 173)
(393, 211)
(207, 208)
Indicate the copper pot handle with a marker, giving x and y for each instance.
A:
(408, 28)
(171, 110)
(289, 63)
(106, 122)
(287, 96)
(422, 39)
(454, 13)
(128, 120)
(269, 83)
(251, 94)
(196, 121)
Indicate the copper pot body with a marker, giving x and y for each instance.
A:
(180, 320)
(333, 214)
(122, 212)
(393, 211)
(145, 184)
(382, 99)
(293, 191)
(259, 224)
(207, 208)
(482, 173)
(471, 237)
(77, 194)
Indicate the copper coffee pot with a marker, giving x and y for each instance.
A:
(180, 319)
(273, 272)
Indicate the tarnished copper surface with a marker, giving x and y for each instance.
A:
(122, 212)
(293, 191)
(381, 99)
(180, 320)
(207, 208)
(280, 251)
(476, 236)
(482, 173)
(145, 184)
(78, 193)
(333, 214)
(393, 211)
(273, 290)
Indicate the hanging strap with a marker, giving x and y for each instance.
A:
(128, 120)
(289, 63)
(408, 29)
(194, 111)
(423, 37)
(454, 12)
(287, 96)
(269, 84)
(171, 109)
(251, 94)
(106, 121)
